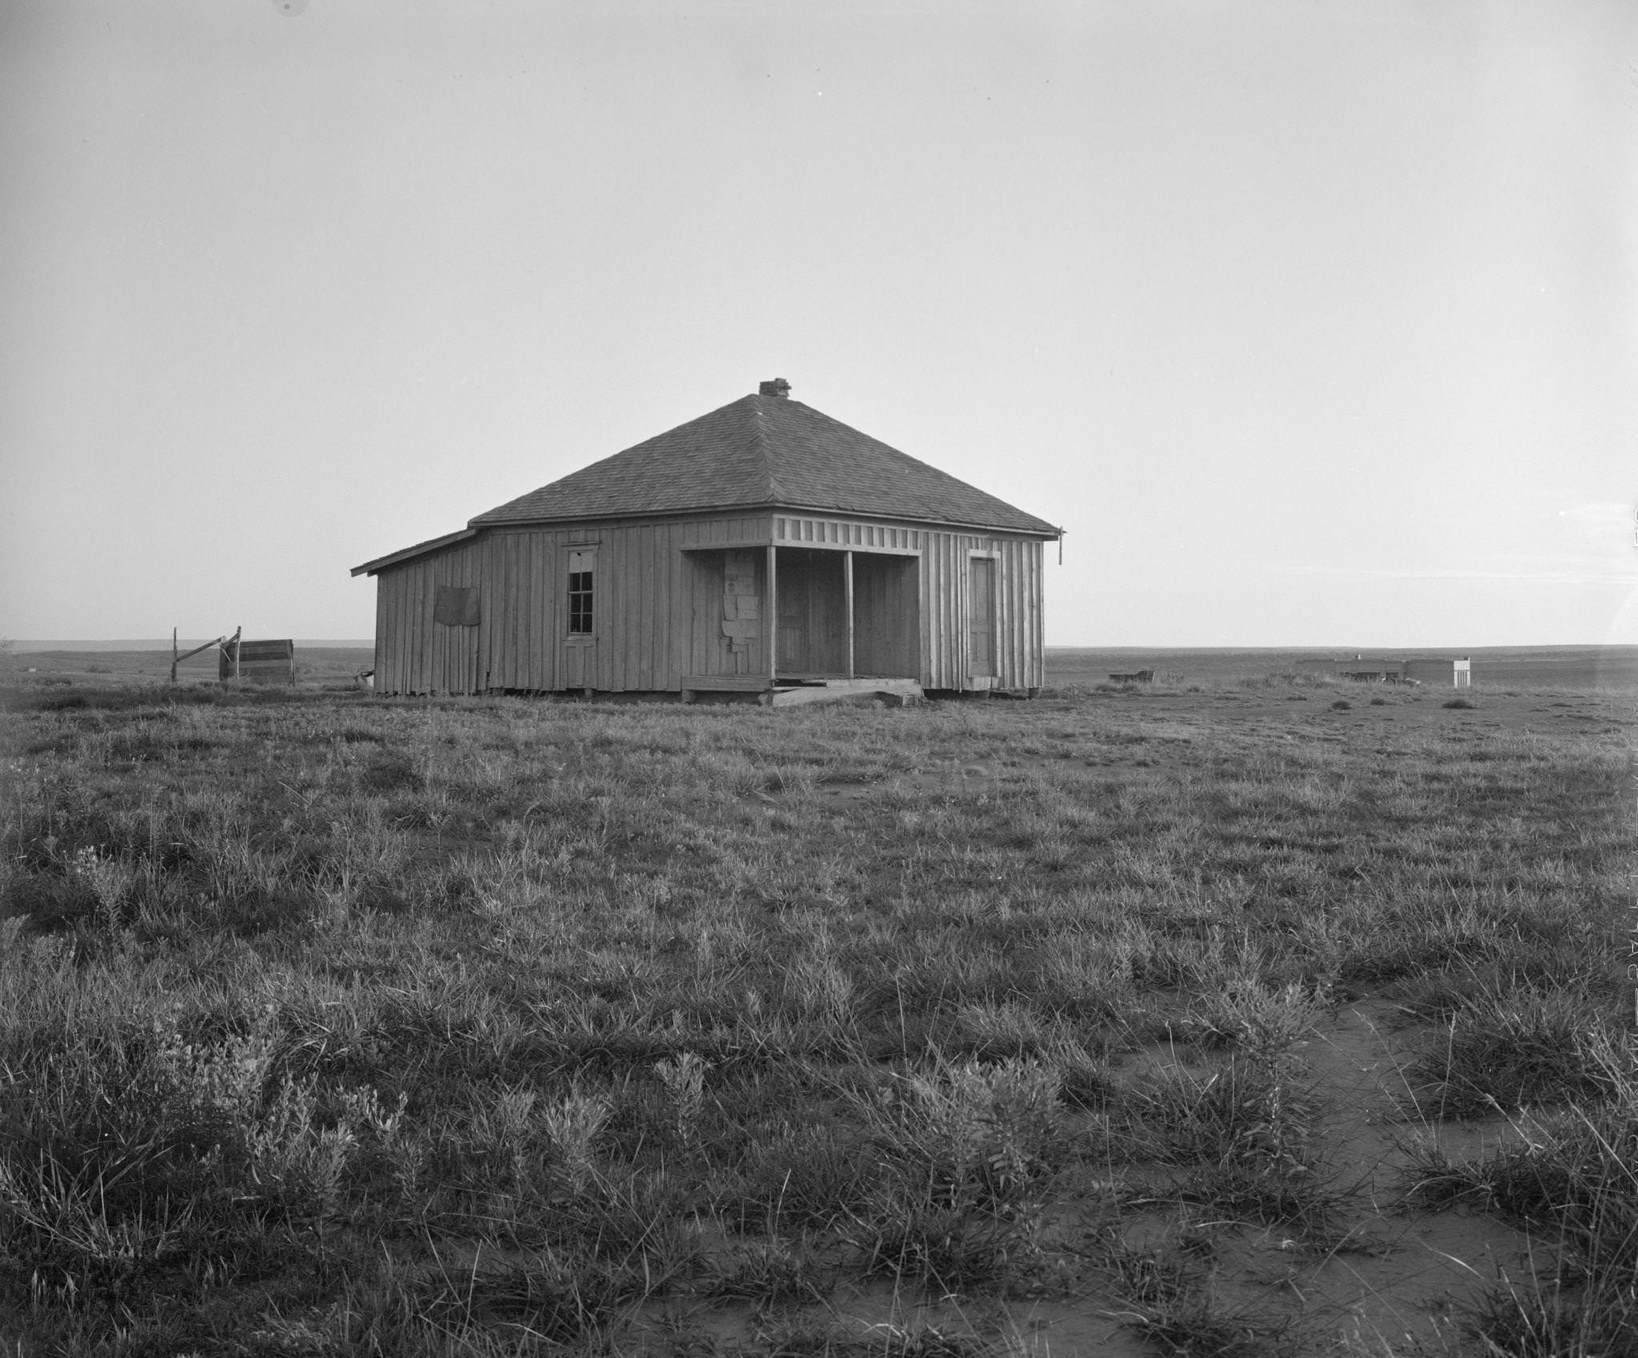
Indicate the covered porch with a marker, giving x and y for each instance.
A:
(777, 620)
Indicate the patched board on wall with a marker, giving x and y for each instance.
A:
(455, 606)
(741, 607)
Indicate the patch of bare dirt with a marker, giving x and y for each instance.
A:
(1416, 1268)
(1383, 1277)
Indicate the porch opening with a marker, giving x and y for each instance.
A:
(846, 615)
(779, 615)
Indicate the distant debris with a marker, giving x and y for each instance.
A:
(258, 661)
(1457, 673)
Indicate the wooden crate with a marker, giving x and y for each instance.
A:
(261, 662)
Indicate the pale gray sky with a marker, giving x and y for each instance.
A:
(1314, 323)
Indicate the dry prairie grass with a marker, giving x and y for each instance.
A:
(1215, 1022)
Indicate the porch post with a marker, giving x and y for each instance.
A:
(847, 582)
(773, 616)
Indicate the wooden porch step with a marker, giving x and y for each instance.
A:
(896, 691)
(796, 690)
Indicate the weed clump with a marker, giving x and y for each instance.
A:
(967, 1148)
(1503, 1050)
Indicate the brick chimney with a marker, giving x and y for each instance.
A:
(778, 387)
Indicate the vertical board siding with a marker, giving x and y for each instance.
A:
(946, 607)
(414, 654)
(659, 606)
(704, 601)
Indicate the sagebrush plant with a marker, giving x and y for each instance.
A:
(482, 1027)
(571, 1124)
(683, 1076)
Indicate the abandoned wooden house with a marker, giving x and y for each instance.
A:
(763, 549)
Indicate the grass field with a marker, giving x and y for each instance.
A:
(1234, 1015)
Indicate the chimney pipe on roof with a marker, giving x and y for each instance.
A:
(778, 387)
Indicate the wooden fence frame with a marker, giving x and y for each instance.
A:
(177, 657)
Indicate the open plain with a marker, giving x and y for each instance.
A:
(1241, 1013)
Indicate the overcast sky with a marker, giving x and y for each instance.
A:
(1313, 322)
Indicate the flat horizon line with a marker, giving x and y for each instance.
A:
(21, 645)
(31, 644)
(1358, 648)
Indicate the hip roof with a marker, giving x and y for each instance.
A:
(764, 451)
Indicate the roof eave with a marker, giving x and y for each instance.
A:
(419, 549)
(1045, 530)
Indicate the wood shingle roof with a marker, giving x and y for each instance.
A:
(764, 451)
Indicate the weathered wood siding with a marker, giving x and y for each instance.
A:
(644, 597)
(659, 589)
(412, 653)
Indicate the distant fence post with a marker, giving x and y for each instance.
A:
(178, 657)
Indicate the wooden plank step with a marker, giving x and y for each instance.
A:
(896, 691)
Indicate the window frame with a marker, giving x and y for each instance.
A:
(579, 595)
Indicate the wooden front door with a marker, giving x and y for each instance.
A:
(582, 600)
(812, 634)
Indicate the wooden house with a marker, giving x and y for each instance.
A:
(764, 548)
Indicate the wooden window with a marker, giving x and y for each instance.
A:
(582, 590)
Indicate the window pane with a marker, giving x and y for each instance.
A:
(580, 593)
